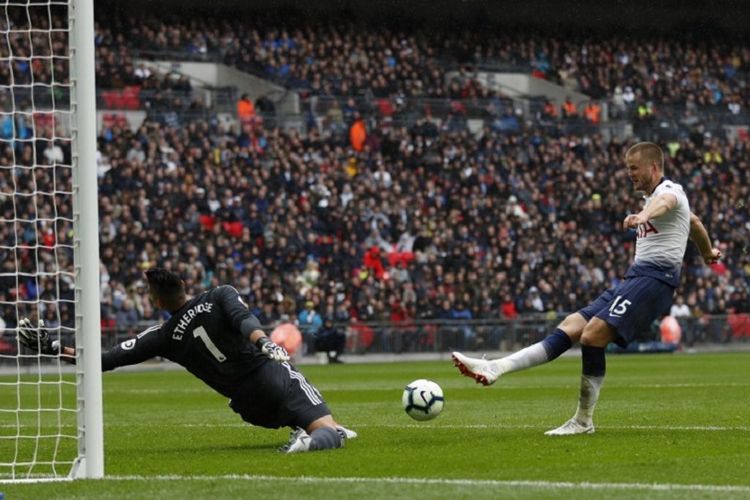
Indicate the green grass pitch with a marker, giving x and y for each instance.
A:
(668, 426)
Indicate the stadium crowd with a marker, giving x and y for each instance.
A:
(639, 76)
(391, 223)
(420, 224)
(345, 58)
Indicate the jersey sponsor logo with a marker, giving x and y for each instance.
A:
(644, 230)
(189, 315)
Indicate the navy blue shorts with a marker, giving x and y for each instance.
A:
(631, 306)
(277, 395)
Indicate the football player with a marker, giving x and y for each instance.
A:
(216, 338)
(663, 228)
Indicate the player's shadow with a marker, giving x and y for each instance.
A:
(201, 448)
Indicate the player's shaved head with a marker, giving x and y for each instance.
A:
(166, 286)
(648, 152)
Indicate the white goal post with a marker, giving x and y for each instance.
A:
(50, 412)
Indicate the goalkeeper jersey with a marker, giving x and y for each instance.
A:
(203, 336)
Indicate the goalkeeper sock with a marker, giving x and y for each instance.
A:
(324, 438)
(548, 349)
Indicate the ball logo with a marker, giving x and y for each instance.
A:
(423, 400)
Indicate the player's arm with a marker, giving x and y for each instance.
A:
(244, 321)
(699, 236)
(37, 339)
(145, 346)
(658, 207)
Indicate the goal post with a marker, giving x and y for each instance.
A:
(50, 411)
(86, 213)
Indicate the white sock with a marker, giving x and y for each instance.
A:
(589, 395)
(527, 357)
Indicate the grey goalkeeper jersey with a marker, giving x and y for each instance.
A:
(205, 337)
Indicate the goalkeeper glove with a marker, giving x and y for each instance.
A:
(37, 338)
(272, 350)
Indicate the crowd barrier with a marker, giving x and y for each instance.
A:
(440, 335)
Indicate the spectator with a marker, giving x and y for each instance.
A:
(245, 110)
(681, 312)
(309, 322)
(330, 340)
(593, 112)
(357, 133)
(463, 314)
(569, 109)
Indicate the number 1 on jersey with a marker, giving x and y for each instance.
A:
(201, 333)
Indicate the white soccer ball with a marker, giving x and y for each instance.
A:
(423, 399)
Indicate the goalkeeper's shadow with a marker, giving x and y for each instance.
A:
(212, 448)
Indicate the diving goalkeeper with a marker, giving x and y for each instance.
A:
(216, 338)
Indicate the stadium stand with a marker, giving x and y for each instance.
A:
(405, 211)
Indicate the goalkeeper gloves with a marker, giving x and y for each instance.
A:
(272, 350)
(37, 338)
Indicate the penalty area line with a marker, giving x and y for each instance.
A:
(448, 482)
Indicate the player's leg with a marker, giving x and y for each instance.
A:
(322, 434)
(486, 371)
(594, 340)
(315, 427)
(633, 305)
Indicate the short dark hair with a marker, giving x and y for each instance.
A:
(648, 151)
(165, 284)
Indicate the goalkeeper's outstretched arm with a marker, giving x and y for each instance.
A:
(68, 354)
(37, 339)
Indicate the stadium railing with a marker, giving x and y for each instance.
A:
(438, 335)
(433, 335)
(134, 98)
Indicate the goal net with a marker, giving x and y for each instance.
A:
(50, 410)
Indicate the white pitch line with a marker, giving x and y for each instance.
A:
(710, 428)
(432, 427)
(453, 482)
(698, 428)
(457, 385)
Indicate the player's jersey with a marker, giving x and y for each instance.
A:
(661, 242)
(204, 337)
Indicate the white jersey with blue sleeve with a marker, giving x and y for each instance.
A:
(661, 242)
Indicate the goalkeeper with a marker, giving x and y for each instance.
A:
(218, 340)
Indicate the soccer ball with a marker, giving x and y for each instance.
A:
(423, 399)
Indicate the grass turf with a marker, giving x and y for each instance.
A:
(668, 426)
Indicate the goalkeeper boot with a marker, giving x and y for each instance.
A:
(571, 428)
(346, 433)
(299, 440)
(484, 371)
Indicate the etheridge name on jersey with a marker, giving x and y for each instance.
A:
(186, 318)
